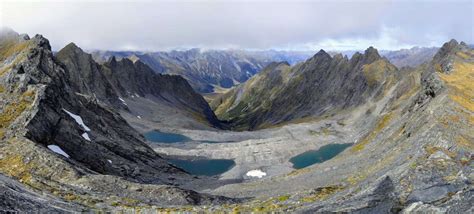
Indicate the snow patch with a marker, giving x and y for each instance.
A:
(78, 120)
(86, 136)
(256, 173)
(56, 149)
(109, 161)
(139, 117)
(123, 101)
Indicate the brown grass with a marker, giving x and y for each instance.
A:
(382, 123)
(461, 84)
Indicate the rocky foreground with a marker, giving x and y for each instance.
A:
(69, 139)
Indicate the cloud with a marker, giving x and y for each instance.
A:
(297, 25)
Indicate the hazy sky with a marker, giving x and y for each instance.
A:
(216, 24)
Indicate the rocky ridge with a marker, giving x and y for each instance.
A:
(114, 81)
(321, 85)
(207, 70)
(64, 143)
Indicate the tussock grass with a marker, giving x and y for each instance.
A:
(382, 123)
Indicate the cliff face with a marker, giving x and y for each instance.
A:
(321, 85)
(114, 81)
(56, 137)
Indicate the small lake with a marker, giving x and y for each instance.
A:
(209, 167)
(318, 156)
(163, 137)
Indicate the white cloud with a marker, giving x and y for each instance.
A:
(163, 25)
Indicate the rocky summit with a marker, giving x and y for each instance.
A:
(369, 137)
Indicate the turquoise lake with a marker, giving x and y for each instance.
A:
(207, 167)
(317, 156)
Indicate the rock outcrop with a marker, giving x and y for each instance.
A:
(116, 80)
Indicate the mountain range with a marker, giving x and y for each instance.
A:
(72, 130)
(321, 85)
(207, 69)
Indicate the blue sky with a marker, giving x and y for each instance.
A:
(261, 24)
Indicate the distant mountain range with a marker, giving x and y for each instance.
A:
(208, 69)
(410, 57)
(401, 58)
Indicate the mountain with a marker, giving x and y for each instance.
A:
(70, 141)
(412, 137)
(116, 81)
(410, 57)
(321, 85)
(58, 139)
(208, 69)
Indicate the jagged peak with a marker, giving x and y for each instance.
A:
(448, 49)
(41, 41)
(452, 42)
(72, 45)
(112, 60)
(126, 60)
(321, 55)
(356, 57)
(371, 54)
(70, 48)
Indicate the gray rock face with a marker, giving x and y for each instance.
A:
(109, 136)
(85, 76)
(14, 197)
(318, 86)
(114, 80)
